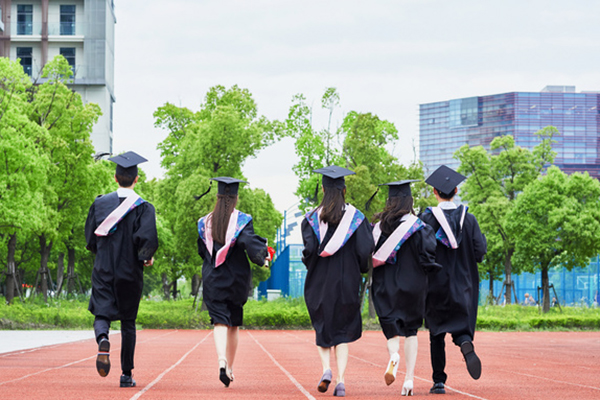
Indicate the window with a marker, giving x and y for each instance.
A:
(25, 54)
(69, 54)
(24, 19)
(67, 20)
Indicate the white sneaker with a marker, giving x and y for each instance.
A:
(392, 369)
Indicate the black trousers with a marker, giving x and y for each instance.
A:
(437, 347)
(128, 337)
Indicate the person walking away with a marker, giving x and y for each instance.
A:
(120, 230)
(404, 256)
(337, 247)
(226, 240)
(453, 293)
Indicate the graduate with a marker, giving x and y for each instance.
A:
(226, 240)
(121, 231)
(337, 247)
(453, 293)
(404, 256)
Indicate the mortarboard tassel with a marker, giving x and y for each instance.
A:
(205, 193)
(368, 203)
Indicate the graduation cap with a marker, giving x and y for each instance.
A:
(396, 189)
(227, 185)
(333, 176)
(127, 163)
(445, 179)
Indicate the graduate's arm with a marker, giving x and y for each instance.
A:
(365, 245)
(255, 246)
(145, 236)
(311, 245)
(479, 240)
(426, 246)
(90, 227)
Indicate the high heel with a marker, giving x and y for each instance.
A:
(407, 388)
(392, 369)
(223, 377)
(340, 390)
(325, 381)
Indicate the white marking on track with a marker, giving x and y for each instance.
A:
(553, 380)
(290, 377)
(159, 377)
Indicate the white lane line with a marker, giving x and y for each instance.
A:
(290, 377)
(62, 366)
(158, 378)
(419, 378)
(553, 380)
(46, 370)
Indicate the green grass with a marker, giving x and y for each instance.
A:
(279, 314)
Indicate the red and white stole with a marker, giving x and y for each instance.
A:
(439, 215)
(399, 236)
(110, 222)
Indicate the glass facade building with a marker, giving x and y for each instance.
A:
(447, 125)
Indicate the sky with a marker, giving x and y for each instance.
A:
(384, 57)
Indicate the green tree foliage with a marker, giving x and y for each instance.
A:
(556, 221)
(214, 141)
(494, 180)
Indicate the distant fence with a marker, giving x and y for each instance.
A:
(576, 287)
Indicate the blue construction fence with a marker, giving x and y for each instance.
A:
(576, 287)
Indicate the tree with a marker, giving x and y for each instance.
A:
(494, 180)
(556, 221)
(23, 167)
(71, 188)
(214, 141)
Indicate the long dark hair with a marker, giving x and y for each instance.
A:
(395, 209)
(219, 219)
(332, 206)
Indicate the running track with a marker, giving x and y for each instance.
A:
(181, 364)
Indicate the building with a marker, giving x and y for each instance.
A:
(447, 125)
(83, 31)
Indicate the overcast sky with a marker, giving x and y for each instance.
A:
(384, 57)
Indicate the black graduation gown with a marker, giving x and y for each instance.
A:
(225, 289)
(400, 289)
(453, 293)
(118, 275)
(332, 286)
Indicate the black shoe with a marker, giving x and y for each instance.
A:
(223, 377)
(473, 362)
(127, 381)
(103, 360)
(438, 388)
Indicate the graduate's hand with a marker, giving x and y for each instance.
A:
(148, 263)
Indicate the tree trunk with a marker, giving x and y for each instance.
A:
(60, 272)
(372, 313)
(174, 283)
(491, 296)
(11, 268)
(166, 286)
(71, 270)
(195, 285)
(45, 253)
(508, 273)
(545, 289)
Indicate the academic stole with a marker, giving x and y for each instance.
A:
(445, 234)
(237, 221)
(109, 225)
(389, 248)
(350, 222)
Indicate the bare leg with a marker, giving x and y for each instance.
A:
(393, 345)
(232, 344)
(220, 333)
(324, 353)
(411, 345)
(341, 356)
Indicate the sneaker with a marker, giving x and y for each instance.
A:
(127, 381)
(103, 360)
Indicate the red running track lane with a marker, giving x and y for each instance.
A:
(173, 364)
